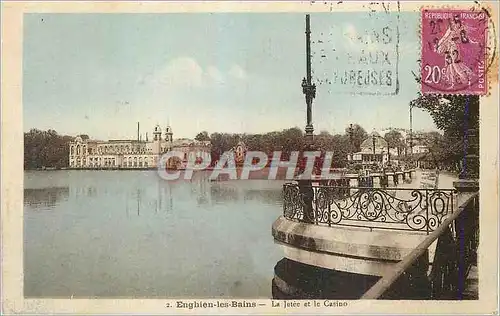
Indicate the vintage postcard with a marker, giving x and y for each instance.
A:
(249, 157)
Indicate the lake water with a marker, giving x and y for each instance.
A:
(132, 234)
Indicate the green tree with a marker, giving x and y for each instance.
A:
(358, 135)
(45, 149)
(450, 113)
(222, 142)
(203, 136)
(454, 115)
(394, 140)
(286, 141)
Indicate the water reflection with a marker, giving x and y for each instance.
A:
(133, 234)
(47, 197)
(268, 196)
(149, 193)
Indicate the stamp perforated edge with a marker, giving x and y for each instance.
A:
(491, 72)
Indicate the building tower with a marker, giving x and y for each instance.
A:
(157, 140)
(168, 137)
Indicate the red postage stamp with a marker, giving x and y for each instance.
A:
(454, 51)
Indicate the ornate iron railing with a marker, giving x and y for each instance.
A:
(391, 208)
(456, 252)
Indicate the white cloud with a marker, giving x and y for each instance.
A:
(350, 31)
(182, 71)
(187, 72)
(215, 74)
(357, 41)
(238, 72)
(179, 88)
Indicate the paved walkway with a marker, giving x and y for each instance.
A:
(445, 180)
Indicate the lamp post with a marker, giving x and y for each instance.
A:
(308, 88)
(388, 153)
(382, 154)
(411, 133)
(309, 91)
(351, 149)
(373, 141)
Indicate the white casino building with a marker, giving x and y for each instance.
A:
(140, 154)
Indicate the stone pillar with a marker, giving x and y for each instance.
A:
(384, 181)
(469, 175)
(468, 183)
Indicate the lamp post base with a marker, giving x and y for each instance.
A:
(309, 133)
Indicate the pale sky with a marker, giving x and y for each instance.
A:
(99, 74)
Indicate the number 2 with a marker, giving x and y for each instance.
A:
(433, 74)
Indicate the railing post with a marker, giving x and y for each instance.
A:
(307, 193)
(427, 211)
(465, 188)
(468, 182)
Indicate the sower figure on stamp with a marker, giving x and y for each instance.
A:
(454, 71)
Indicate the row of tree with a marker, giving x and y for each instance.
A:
(450, 113)
(46, 149)
(292, 139)
(286, 141)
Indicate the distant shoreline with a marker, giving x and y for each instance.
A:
(107, 169)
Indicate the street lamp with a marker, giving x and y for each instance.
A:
(411, 131)
(351, 149)
(309, 91)
(308, 88)
(382, 153)
(373, 140)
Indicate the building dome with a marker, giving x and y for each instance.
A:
(78, 139)
(168, 130)
(374, 133)
(380, 143)
(157, 129)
